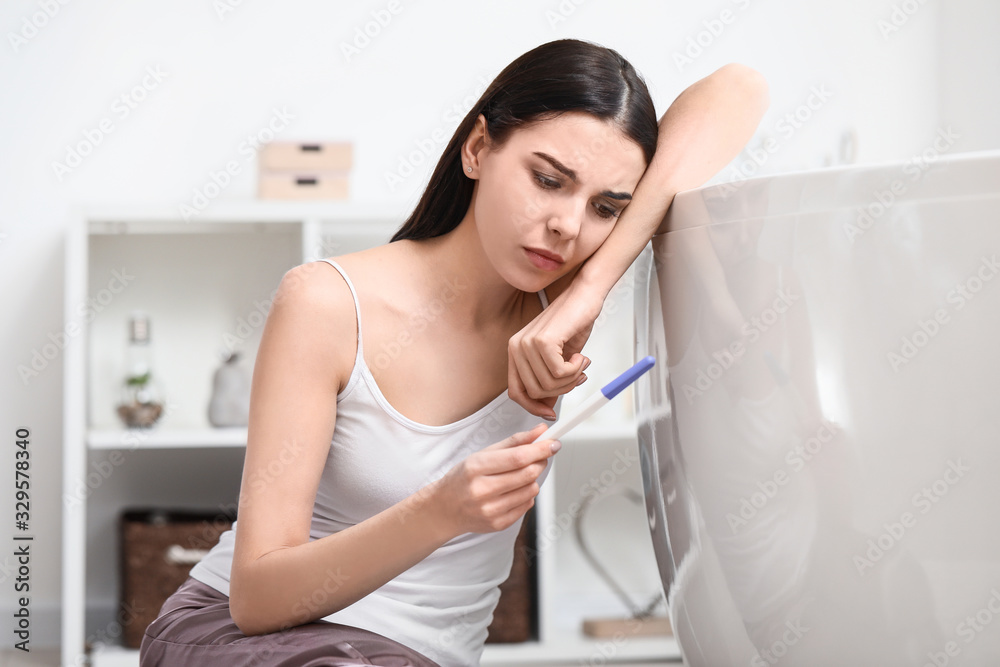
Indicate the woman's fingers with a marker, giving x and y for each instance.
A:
(525, 387)
(517, 392)
(544, 358)
(517, 452)
(539, 353)
(541, 367)
(547, 356)
(516, 479)
(522, 385)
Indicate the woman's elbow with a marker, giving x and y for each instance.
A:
(247, 630)
(253, 615)
(243, 618)
(748, 83)
(242, 610)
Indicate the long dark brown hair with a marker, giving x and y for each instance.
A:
(560, 76)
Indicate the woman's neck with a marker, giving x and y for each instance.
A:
(455, 272)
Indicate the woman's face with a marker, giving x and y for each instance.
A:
(558, 186)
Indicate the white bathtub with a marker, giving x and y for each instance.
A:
(820, 438)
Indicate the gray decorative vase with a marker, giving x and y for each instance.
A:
(230, 403)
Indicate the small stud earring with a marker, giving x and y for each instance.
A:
(469, 169)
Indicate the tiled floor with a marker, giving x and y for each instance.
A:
(50, 658)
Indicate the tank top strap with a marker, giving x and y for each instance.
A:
(357, 304)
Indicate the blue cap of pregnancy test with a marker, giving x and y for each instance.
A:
(613, 388)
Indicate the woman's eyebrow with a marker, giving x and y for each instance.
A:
(572, 176)
(558, 165)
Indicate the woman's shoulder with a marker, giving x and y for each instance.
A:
(365, 262)
(318, 276)
(314, 283)
(373, 272)
(315, 305)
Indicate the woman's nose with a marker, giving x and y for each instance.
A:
(566, 219)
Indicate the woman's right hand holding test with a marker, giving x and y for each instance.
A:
(492, 488)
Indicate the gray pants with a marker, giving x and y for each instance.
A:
(194, 629)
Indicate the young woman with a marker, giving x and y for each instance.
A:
(388, 465)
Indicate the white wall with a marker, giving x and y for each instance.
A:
(224, 74)
(970, 72)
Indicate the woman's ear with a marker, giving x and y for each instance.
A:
(474, 145)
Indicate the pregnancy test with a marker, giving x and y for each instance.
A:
(592, 404)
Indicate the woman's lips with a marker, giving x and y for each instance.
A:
(542, 262)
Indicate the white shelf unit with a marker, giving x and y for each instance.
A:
(210, 272)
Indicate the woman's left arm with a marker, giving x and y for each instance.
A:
(702, 131)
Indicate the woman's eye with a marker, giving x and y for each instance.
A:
(544, 182)
(606, 212)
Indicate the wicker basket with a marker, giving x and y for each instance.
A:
(158, 549)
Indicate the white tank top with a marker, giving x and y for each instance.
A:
(443, 605)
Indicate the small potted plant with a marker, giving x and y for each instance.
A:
(140, 406)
